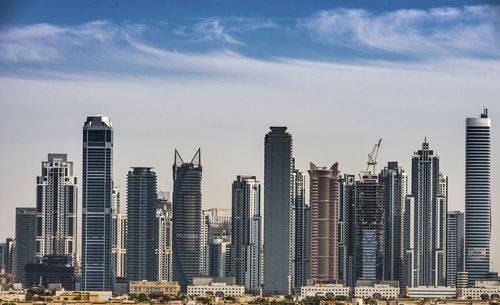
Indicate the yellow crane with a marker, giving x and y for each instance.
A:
(372, 161)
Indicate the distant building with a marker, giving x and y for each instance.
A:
(395, 182)
(56, 204)
(377, 291)
(148, 287)
(216, 288)
(3, 257)
(187, 219)
(326, 290)
(477, 196)
(52, 269)
(323, 196)
(119, 235)
(141, 217)
(431, 292)
(454, 246)
(278, 219)
(246, 242)
(163, 238)
(369, 229)
(25, 241)
(462, 279)
(97, 188)
(302, 232)
(219, 257)
(10, 256)
(347, 230)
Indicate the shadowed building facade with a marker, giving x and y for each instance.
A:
(324, 196)
(141, 216)
(278, 216)
(187, 220)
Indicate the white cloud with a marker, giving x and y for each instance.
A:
(466, 31)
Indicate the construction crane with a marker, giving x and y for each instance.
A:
(372, 161)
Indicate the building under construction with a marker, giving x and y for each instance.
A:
(369, 224)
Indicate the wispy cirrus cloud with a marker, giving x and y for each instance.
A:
(469, 31)
(47, 42)
(223, 30)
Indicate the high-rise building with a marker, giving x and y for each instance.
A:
(246, 238)
(324, 196)
(56, 204)
(119, 235)
(395, 182)
(346, 233)
(187, 219)
(477, 196)
(25, 240)
(455, 244)
(141, 217)
(97, 187)
(369, 227)
(278, 215)
(163, 234)
(216, 242)
(10, 257)
(302, 222)
(3, 257)
(425, 222)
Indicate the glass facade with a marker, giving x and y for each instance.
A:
(97, 184)
(477, 197)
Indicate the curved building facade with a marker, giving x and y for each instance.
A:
(187, 220)
(477, 197)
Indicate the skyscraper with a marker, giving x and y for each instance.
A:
(163, 238)
(119, 235)
(454, 246)
(187, 219)
(97, 185)
(324, 196)
(301, 226)
(395, 182)
(477, 196)
(56, 204)
(246, 238)
(278, 216)
(369, 249)
(426, 212)
(25, 240)
(141, 217)
(10, 244)
(347, 229)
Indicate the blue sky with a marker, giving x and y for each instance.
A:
(216, 74)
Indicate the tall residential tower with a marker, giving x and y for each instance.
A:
(56, 204)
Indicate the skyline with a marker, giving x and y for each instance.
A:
(221, 83)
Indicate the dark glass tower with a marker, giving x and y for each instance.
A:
(141, 217)
(302, 217)
(187, 219)
(454, 246)
(278, 214)
(395, 182)
(97, 185)
(347, 230)
(25, 240)
(477, 197)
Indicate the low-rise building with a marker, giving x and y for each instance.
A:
(148, 287)
(377, 291)
(482, 290)
(218, 289)
(431, 292)
(327, 290)
(88, 296)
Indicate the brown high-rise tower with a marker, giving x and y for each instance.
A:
(324, 195)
